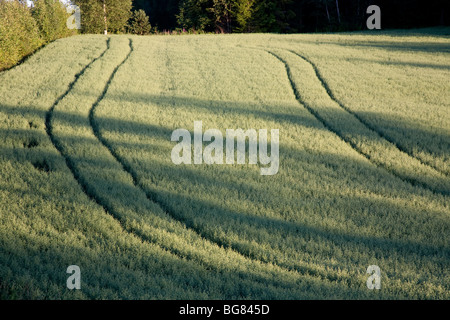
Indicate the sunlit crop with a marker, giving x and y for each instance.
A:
(87, 176)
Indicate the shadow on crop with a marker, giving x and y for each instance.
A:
(203, 211)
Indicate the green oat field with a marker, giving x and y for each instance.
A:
(86, 176)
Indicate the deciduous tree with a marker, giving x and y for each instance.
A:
(100, 16)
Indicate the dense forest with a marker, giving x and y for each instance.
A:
(287, 16)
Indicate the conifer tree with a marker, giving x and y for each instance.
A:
(139, 23)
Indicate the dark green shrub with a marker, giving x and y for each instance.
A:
(139, 23)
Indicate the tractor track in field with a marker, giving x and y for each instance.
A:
(106, 207)
(72, 165)
(92, 194)
(69, 162)
(380, 133)
(58, 146)
(352, 144)
(49, 126)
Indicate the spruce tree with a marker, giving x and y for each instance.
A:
(139, 23)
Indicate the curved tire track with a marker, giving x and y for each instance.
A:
(128, 227)
(354, 146)
(380, 133)
(71, 163)
(90, 191)
(49, 113)
(58, 145)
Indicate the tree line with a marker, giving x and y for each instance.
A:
(289, 16)
(278, 16)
